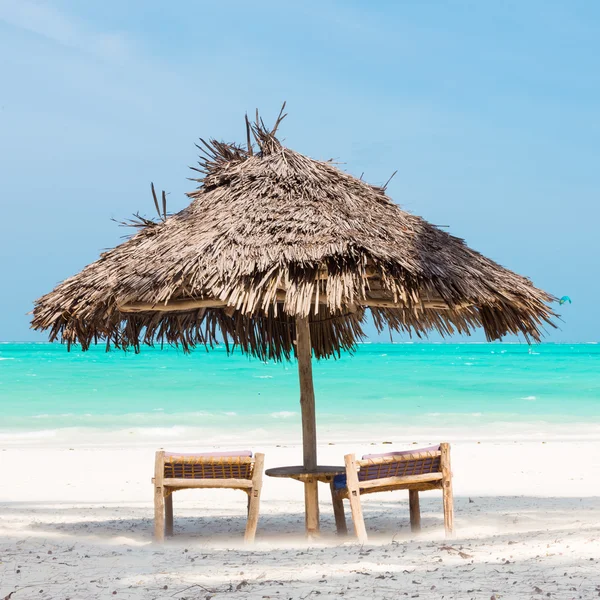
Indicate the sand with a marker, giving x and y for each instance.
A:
(76, 522)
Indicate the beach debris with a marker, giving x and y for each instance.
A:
(458, 551)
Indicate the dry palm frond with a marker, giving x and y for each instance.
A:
(273, 235)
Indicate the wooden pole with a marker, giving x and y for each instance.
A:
(354, 497)
(169, 515)
(338, 511)
(254, 497)
(415, 510)
(447, 497)
(186, 304)
(159, 496)
(311, 507)
(309, 425)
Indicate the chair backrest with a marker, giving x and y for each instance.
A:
(208, 465)
(400, 464)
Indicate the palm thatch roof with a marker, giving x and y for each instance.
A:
(271, 235)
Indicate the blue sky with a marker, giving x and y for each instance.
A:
(490, 111)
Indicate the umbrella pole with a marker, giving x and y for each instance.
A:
(309, 425)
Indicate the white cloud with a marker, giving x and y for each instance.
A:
(42, 19)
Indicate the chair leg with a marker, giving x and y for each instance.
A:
(253, 509)
(448, 508)
(169, 515)
(159, 514)
(338, 511)
(415, 510)
(254, 498)
(159, 497)
(447, 496)
(354, 497)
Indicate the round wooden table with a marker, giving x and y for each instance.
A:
(310, 478)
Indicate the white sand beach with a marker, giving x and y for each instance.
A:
(76, 523)
(305, 230)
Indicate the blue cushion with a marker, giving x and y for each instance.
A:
(339, 482)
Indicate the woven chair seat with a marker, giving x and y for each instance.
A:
(174, 471)
(400, 464)
(209, 465)
(417, 470)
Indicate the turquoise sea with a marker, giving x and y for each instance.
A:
(44, 388)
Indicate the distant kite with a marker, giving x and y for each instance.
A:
(565, 299)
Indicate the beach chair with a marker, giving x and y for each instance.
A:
(412, 470)
(176, 471)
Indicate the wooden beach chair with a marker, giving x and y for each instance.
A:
(413, 470)
(176, 471)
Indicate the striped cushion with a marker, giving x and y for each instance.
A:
(403, 452)
(241, 453)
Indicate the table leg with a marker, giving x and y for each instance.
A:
(311, 503)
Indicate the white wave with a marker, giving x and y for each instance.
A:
(283, 414)
(263, 376)
(47, 416)
(7, 358)
(529, 398)
(28, 435)
(158, 431)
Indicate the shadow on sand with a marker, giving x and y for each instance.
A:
(387, 520)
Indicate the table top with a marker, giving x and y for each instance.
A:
(301, 471)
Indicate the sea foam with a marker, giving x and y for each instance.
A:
(283, 414)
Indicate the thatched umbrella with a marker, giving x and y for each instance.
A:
(281, 255)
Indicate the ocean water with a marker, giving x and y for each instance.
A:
(45, 390)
